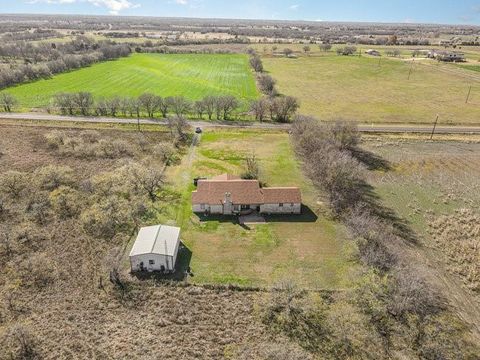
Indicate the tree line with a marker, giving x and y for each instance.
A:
(392, 308)
(44, 60)
(273, 105)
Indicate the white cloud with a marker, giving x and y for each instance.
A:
(181, 2)
(114, 6)
(294, 7)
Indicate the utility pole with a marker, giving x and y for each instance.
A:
(410, 72)
(434, 127)
(468, 95)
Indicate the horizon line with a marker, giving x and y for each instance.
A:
(412, 23)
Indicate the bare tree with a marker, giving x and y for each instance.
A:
(287, 52)
(149, 180)
(225, 106)
(306, 49)
(283, 108)
(260, 108)
(266, 84)
(252, 169)
(179, 127)
(83, 101)
(163, 105)
(149, 103)
(65, 102)
(114, 105)
(179, 105)
(256, 63)
(325, 47)
(210, 105)
(199, 107)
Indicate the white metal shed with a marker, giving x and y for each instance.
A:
(155, 249)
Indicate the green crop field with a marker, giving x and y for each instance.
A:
(377, 90)
(189, 75)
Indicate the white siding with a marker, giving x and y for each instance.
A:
(168, 262)
(287, 208)
(212, 209)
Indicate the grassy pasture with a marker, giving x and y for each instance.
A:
(371, 90)
(434, 186)
(189, 75)
(308, 249)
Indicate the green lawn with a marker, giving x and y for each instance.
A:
(309, 249)
(372, 90)
(470, 67)
(191, 75)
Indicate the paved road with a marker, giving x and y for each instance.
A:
(374, 128)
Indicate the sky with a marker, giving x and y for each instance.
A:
(400, 11)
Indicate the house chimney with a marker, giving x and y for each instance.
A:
(228, 198)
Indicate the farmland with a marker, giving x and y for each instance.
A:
(371, 90)
(308, 249)
(50, 262)
(190, 75)
(434, 186)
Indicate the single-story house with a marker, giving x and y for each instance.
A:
(447, 56)
(230, 195)
(155, 249)
(373, 52)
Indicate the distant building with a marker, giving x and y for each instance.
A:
(155, 249)
(373, 52)
(230, 195)
(447, 56)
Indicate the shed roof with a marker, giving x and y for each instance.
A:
(157, 239)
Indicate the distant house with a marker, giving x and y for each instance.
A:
(155, 249)
(231, 195)
(373, 52)
(447, 56)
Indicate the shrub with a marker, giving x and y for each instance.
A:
(113, 148)
(55, 139)
(266, 84)
(18, 343)
(164, 151)
(66, 202)
(28, 235)
(13, 183)
(51, 177)
(38, 208)
(37, 271)
(107, 217)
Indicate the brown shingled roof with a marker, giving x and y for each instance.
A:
(277, 195)
(246, 192)
(213, 192)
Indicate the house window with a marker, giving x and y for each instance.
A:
(280, 205)
(202, 206)
(151, 262)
